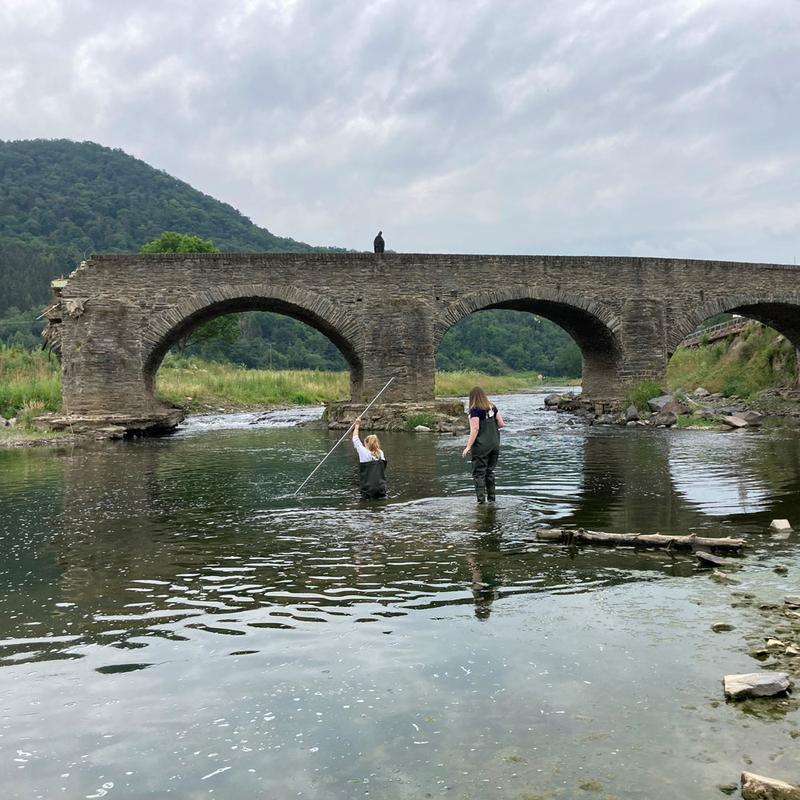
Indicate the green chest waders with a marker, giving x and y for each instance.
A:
(485, 452)
(372, 477)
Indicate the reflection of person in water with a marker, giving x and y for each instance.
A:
(483, 566)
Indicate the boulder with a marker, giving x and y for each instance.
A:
(422, 429)
(792, 600)
(3, 422)
(758, 787)
(752, 417)
(552, 400)
(657, 403)
(723, 577)
(675, 407)
(11, 422)
(700, 392)
(734, 422)
(606, 419)
(631, 414)
(756, 684)
(792, 651)
(665, 418)
(780, 525)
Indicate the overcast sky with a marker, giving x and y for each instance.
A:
(669, 127)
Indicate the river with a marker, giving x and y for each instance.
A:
(174, 621)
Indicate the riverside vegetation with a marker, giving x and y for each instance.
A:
(30, 385)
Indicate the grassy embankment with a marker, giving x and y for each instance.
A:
(30, 385)
(759, 358)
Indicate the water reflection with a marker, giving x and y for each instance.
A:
(419, 643)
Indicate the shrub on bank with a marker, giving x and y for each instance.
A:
(638, 394)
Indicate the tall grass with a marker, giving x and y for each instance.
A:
(193, 384)
(28, 377)
(460, 383)
(32, 380)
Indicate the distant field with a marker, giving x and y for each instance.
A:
(30, 384)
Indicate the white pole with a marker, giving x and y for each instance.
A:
(343, 437)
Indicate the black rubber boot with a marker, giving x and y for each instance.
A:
(490, 490)
(480, 490)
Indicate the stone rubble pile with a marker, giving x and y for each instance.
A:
(662, 411)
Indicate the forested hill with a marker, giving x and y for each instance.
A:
(62, 200)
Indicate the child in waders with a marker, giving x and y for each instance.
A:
(371, 465)
(484, 443)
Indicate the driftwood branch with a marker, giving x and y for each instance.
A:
(690, 542)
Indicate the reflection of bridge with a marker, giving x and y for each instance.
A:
(118, 315)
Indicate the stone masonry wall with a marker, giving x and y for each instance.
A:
(388, 313)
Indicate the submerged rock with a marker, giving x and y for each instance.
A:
(709, 559)
(759, 787)
(756, 684)
(722, 627)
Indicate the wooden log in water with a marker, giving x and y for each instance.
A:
(690, 542)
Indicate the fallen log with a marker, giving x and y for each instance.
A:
(690, 542)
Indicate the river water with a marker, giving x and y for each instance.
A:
(174, 621)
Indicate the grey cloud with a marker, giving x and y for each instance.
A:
(608, 127)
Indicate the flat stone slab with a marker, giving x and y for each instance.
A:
(756, 684)
(759, 787)
(792, 600)
(733, 421)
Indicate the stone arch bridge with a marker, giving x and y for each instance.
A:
(117, 315)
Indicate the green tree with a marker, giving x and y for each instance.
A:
(174, 242)
(223, 328)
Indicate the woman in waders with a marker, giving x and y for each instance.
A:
(371, 465)
(484, 443)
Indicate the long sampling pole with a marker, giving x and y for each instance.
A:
(343, 436)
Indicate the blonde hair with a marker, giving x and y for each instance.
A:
(478, 399)
(373, 444)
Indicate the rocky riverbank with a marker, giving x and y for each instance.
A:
(698, 409)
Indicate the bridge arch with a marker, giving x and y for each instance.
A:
(330, 320)
(782, 314)
(594, 327)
